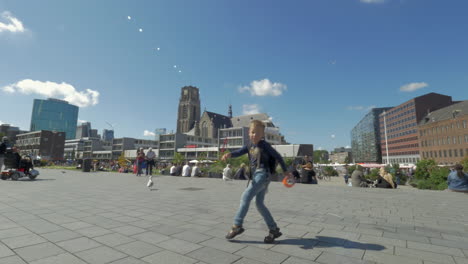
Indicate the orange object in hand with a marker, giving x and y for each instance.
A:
(289, 181)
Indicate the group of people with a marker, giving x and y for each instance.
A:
(185, 171)
(384, 179)
(145, 161)
(17, 161)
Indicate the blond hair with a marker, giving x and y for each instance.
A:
(257, 123)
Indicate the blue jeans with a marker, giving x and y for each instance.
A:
(257, 188)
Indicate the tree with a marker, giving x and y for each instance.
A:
(178, 158)
(320, 156)
(424, 168)
(347, 160)
(122, 161)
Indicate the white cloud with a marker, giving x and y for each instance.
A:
(62, 90)
(332, 136)
(411, 87)
(264, 88)
(13, 24)
(320, 148)
(372, 1)
(81, 121)
(250, 109)
(148, 133)
(348, 146)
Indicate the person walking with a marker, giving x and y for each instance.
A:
(139, 161)
(150, 155)
(262, 157)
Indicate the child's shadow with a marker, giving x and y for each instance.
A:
(320, 242)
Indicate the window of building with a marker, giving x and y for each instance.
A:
(464, 123)
(454, 140)
(466, 138)
(458, 124)
(450, 153)
(461, 153)
(445, 153)
(440, 153)
(455, 153)
(435, 154)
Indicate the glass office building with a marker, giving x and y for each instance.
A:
(54, 115)
(365, 138)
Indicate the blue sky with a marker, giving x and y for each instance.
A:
(315, 66)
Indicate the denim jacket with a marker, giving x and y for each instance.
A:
(455, 183)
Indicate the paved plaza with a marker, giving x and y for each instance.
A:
(70, 217)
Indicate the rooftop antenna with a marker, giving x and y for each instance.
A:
(111, 125)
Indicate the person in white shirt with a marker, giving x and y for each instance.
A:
(150, 155)
(173, 170)
(186, 170)
(227, 173)
(195, 171)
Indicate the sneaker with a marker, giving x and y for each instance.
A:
(235, 230)
(272, 235)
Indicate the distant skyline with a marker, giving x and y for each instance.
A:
(316, 67)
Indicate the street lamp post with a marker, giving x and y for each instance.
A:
(385, 130)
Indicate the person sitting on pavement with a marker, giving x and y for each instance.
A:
(186, 170)
(358, 179)
(457, 180)
(173, 170)
(385, 180)
(227, 173)
(309, 173)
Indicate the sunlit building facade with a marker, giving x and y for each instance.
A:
(54, 115)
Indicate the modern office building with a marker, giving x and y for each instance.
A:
(11, 132)
(107, 135)
(443, 134)
(400, 124)
(83, 130)
(365, 138)
(54, 115)
(49, 145)
(158, 132)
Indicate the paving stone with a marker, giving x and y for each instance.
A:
(166, 229)
(61, 235)
(329, 258)
(459, 260)
(436, 249)
(93, 231)
(129, 260)
(169, 257)
(248, 261)
(138, 249)
(190, 236)
(179, 246)
(382, 240)
(113, 239)
(13, 232)
(41, 226)
(213, 256)
(262, 255)
(424, 255)
(151, 237)
(128, 230)
(38, 251)
(390, 259)
(78, 244)
(100, 255)
(449, 243)
(5, 251)
(23, 241)
(12, 260)
(223, 244)
(65, 258)
(294, 260)
(76, 225)
(340, 250)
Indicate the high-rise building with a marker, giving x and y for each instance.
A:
(365, 138)
(189, 109)
(54, 115)
(400, 124)
(83, 130)
(107, 135)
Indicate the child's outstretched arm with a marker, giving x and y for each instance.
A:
(235, 153)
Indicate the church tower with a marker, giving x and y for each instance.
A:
(189, 109)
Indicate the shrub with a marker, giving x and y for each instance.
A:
(424, 168)
(437, 179)
(330, 171)
(373, 175)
